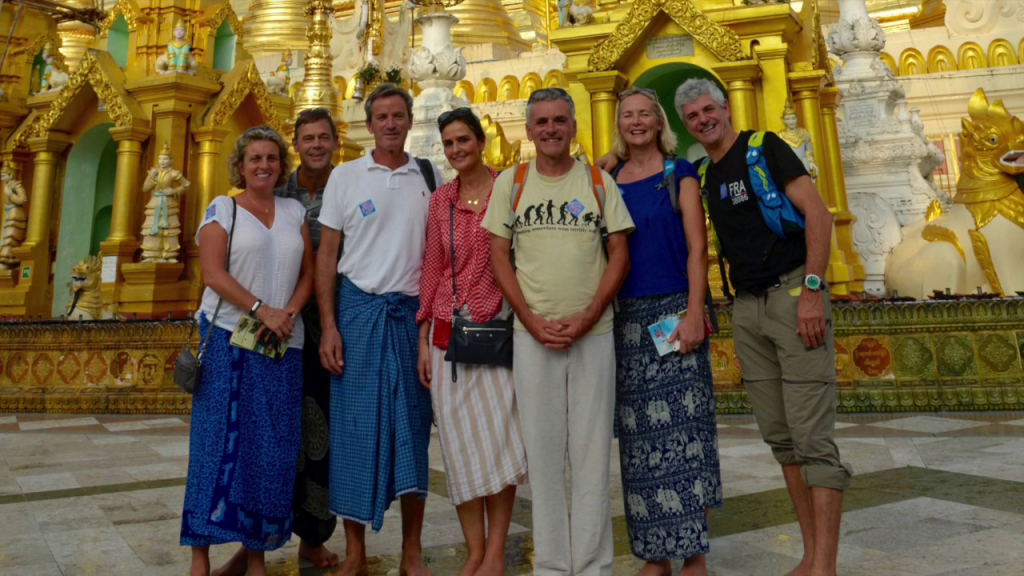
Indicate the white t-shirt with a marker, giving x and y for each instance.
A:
(265, 262)
(382, 214)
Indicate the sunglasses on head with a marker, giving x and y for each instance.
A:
(645, 91)
(456, 114)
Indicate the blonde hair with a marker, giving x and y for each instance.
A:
(667, 140)
(256, 134)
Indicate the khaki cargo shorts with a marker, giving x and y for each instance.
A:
(791, 389)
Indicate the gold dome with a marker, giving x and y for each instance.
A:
(271, 25)
(484, 22)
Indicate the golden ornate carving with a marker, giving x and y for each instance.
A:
(85, 302)
(912, 62)
(889, 61)
(486, 91)
(721, 41)
(499, 153)
(99, 70)
(984, 257)
(242, 81)
(555, 79)
(508, 88)
(464, 89)
(933, 233)
(970, 56)
(131, 11)
(530, 84)
(989, 134)
(15, 217)
(1000, 53)
(941, 59)
(225, 12)
(30, 52)
(933, 212)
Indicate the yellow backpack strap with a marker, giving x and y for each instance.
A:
(702, 170)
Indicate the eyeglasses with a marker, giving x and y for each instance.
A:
(645, 91)
(452, 115)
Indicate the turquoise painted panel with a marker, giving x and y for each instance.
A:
(224, 48)
(117, 41)
(104, 198)
(87, 161)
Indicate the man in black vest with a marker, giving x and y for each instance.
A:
(782, 320)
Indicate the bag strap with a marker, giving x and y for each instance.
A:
(427, 170)
(227, 267)
(672, 182)
(455, 300)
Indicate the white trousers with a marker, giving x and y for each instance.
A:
(567, 400)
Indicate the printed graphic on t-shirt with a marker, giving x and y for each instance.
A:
(723, 192)
(567, 217)
(367, 208)
(738, 192)
(211, 211)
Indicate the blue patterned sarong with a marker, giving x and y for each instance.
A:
(668, 439)
(380, 413)
(243, 447)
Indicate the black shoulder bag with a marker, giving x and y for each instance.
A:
(487, 343)
(187, 367)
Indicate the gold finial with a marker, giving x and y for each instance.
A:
(788, 109)
(287, 55)
(166, 150)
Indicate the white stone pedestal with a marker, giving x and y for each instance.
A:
(886, 159)
(436, 66)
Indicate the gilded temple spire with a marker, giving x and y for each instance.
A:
(317, 89)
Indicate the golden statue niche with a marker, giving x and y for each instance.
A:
(799, 139)
(161, 229)
(179, 56)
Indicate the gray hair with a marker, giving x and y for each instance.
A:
(383, 91)
(693, 89)
(550, 95)
(257, 134)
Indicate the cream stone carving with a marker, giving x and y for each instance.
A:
(179, 53)
(15, 218)
(978, 17)
(162, 226)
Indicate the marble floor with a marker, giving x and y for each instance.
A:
(933, 494)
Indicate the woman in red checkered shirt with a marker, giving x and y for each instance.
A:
(476, 417)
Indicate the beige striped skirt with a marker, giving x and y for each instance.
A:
(478, 423)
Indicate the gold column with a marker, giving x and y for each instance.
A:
(123, 240)
(203, 191)
(604, 88)
(806, 88)
(773, 84)
(837, 186)
(739, 79)
(34, 289)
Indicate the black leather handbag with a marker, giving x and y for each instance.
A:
(486, 343)
(188, 366)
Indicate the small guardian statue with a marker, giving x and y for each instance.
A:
(280, 81)
(162, 225)
(799, 139)
(179, 53)
(52, 77)
(15, 218)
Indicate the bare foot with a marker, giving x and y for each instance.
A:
(663, 568)
(696, 566)
(491, 567)
(471, 567)
(354, 566)
(412, 565)
(804, 569)
(320, 556)
(235, 566)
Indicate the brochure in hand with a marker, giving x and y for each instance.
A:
(661, 331)
(244, 337)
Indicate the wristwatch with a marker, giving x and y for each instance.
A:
(255, 307)
(813, 282)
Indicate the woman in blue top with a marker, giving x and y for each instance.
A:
(665, 405)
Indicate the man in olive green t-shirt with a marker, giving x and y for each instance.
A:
(564, 365)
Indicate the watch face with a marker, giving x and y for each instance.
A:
(812, 282)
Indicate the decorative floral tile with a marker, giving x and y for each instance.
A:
(997, 353)
(954, 355)
(913, 357)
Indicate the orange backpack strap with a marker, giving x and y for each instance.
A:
(597, 186)
(517, 184)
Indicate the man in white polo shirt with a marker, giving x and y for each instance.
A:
(380, 414)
